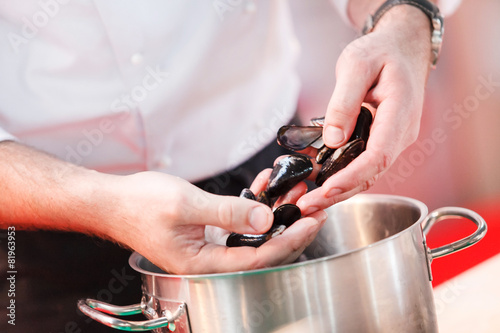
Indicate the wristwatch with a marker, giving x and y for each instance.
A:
(430, 9)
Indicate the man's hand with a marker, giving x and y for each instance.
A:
(183, 229)
(387, 70)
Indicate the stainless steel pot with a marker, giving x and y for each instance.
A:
(368, 270)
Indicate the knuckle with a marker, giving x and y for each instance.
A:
(342, 109)
(176, 207)
(369, 183)
(341, 113)
(383, 160)
(225, 213)
(355, 50)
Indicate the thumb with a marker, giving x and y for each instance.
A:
(355, 77)
(340, 118)
(230, 213)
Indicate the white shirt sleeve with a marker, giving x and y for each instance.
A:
(447, 7)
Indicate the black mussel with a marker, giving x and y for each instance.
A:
(286, 215)
(298, 137)
(361, 131)
(263, 197)
(323, 153)
(340, 159)
(235, 240)
(319, 121)
(288, 172)
(363, 124)
(247, 193)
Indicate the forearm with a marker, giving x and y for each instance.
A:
(38, 191)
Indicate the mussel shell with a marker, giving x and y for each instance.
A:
(318, 121)
(363, 124)
(263, 197)
(340, 159)
(288, 172)
(344, 155)
(298, 137)
(247, 193)
(235, 240)
(286, 215)
(323, 153)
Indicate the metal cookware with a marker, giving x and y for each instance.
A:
(368, 270)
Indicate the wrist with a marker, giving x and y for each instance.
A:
(413, 33)
(390, 11)
(91, 202)
(106, 197)
(123, 208)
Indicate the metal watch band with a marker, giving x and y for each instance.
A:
(430, 9)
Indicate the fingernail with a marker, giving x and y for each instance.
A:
(333, 135)
(258, 218)
(310, 210)
(323, 217)
(333, 192)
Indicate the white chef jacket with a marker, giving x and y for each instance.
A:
(189, 88)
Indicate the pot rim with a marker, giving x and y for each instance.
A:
(135, 257)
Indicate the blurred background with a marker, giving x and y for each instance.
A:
(456, 159)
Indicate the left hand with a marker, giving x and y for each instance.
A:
(386, 69)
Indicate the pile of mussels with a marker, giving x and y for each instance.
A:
(292, 169)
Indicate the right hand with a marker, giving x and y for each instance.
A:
(167, 220)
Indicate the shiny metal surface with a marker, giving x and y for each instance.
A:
(366, 271)
(448, 212)
(99, 312)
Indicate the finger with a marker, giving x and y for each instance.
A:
(227, 212)
(282, 249)
(358, 176)
(293, 195)
(316, 201)
(260, 182)
(355, 76)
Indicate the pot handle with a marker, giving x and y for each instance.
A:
(449, 212)
(99, 312)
